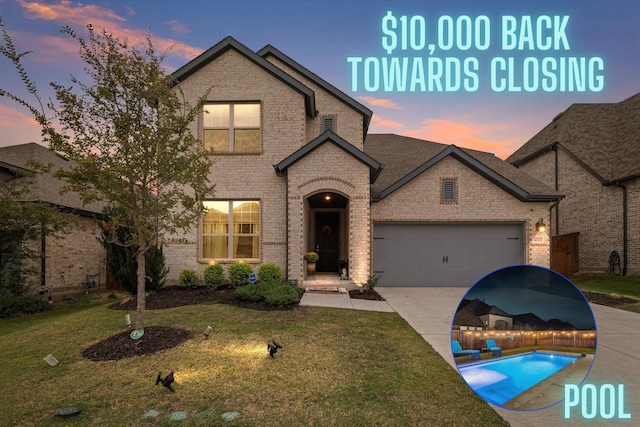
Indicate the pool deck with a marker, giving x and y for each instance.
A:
(430, 312)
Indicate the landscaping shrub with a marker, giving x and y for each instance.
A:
(278, 294)
(121, 256)
(269, 273)
(239, 274)
(251, 293)
(156, 269)
(282, 294)
(213, 276)
(188, 278)
(12, 306)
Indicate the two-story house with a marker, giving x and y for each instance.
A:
(296, 171)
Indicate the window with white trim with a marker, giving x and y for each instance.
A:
(449, 191)
(231, 229)
(231, 127)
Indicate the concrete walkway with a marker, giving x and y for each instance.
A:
(430, 312)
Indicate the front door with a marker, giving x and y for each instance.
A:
(327, 241)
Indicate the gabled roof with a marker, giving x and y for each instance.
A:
(366, 113)
(406, 158)
(230, 43)
(45, 187)
(604, 138)
(330, 137)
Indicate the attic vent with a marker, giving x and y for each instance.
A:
(328, 123)
(449, 191)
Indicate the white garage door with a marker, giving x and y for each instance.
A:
(436, 254)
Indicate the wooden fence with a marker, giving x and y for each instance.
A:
(477, 340)
(565, 253)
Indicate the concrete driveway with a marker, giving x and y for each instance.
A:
(430, 312)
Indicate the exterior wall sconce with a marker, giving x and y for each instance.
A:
(541, 226)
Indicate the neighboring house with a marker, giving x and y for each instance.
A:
(470, 314)
(591, 153)
(65, 260)
(296, 171)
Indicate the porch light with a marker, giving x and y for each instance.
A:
(541, 226)
(327, 197)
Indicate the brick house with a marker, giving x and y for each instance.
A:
(296, 170)
(67, 260)
(591, 153)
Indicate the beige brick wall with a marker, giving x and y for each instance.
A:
(593, 210)
(329, 168)
(248, 176)
(478, 200)
(71, 257)
(349, 123)
(285, 129)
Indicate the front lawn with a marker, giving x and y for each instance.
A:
(337, 367)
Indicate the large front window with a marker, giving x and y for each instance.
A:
(231, 127)
(231, 229)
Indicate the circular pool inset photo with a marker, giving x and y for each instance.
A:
(520, 334)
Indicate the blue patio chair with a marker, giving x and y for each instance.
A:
(458, 351)
(493, 348)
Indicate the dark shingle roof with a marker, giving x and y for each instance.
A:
(330, 137)
(604, 137)
(404, 158)
(45, 187)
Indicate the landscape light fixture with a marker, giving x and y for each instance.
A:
(273, 348)
(166, 381)
(541, 226)
(206, 332)
(51, 360)
(128, 320)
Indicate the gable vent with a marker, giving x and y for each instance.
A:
(328, 123)
(449, 193)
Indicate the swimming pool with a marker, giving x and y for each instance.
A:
(498, 381)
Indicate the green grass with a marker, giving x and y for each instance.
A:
(613, 285)
(337, 368)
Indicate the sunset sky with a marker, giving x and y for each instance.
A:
(323, 35)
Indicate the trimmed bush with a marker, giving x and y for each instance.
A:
(282, 294)
(213, 276)
(278, 294)
(249, 293)
(12, 306)
(269, 273)
(188, 278)
(239, 273)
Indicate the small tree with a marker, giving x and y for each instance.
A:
(128, 130)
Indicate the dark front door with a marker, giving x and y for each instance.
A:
(327, 241)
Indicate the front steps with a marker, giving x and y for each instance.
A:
(327, 283)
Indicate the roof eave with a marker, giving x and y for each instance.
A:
(230, 43)
(374, 166)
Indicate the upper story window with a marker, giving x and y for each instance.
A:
(449, 191)
(231, 127)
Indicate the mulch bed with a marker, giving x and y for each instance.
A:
(369, 294)
(608, 300)
(174, 296)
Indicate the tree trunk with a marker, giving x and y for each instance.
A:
(141, 274)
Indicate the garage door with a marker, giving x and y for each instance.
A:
(428, 254)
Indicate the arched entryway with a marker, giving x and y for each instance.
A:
(328, 230)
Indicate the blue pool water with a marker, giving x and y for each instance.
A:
(500, 380)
